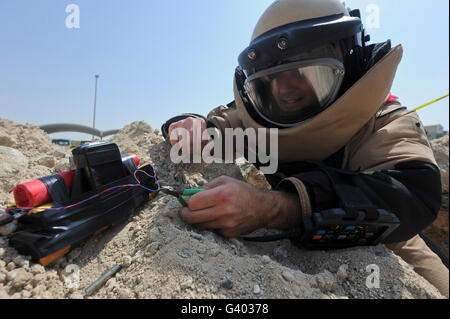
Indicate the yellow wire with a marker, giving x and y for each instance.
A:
(432, 102)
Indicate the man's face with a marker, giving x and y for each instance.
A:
(293, 92)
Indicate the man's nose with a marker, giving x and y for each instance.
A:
(286, 83)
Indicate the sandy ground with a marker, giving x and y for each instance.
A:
(175, 260)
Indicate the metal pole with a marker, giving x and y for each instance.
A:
(95, 99)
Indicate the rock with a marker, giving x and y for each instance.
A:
(76, 295)
(287, 276)
(186, 284)
(3, 294)
(326, 281)
(19, 277)
(196, 236)
(37, 269)
(47, 161)
(227, 284)
(14, 164)
(38, 291)
(342, 274)
(153, 235)
(7, 229)
(169, 212)
(2, 278)
(124, 293)
(26, 294)
(126, 261)
(152, 249)
(256, 289)
(20, 261)
(265, 259)
(37, 279)
(10, 266)
(6, 140)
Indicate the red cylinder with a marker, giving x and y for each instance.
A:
(35, 193)
(134, 156)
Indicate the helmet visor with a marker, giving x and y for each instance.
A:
(290, 94)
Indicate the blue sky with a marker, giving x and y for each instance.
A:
(158, 59)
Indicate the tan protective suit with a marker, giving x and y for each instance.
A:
(375, 138)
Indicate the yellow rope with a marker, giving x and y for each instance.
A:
(432, 102)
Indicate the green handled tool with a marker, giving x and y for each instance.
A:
(180, 195)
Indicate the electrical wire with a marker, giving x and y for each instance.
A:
(23, 210)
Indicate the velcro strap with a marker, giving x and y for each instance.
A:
(351, 198)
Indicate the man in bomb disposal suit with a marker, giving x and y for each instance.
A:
(344, 140)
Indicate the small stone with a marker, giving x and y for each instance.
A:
(38, 291)
(265, 259)
(342, 272)
(8, 228)
(19, 277)
(124, 293)
(201, 250)
(287, 276)
(153, 235)
(256, 289)
(37, 279)
(26, 294)
(227, 284)
(152, 249)
(20, 261)
(76, 295)
(10, 266)
(187, 284)
(37, 269)
(3, 294)
(170, 238)
(196, 236)
(47, 161)
(326, 281)
(215, 252)
(2, 278)
(126, 261)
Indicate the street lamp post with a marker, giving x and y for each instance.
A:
(95, 99)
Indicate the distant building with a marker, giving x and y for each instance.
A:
(435, 131)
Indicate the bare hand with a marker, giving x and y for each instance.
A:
(236, 208)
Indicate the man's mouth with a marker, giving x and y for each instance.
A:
(292, 102)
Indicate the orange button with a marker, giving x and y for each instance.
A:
(317, 237)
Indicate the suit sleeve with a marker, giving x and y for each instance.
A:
(391, 165)
(411, 191)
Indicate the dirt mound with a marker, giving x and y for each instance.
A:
(173, 259)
